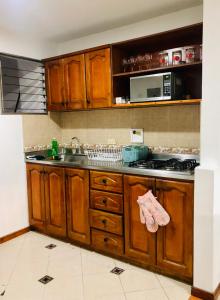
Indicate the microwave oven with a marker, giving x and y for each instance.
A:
(156, 87)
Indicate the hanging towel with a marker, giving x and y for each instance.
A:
(151, 212)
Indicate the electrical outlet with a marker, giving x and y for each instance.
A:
(137, 135)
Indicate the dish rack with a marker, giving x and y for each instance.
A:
(105, 153)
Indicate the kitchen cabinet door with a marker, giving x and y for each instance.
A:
(36, 201)
(74, 82)
(98, 78)
(140, 244)
(55, 85)
(55, 201)
(77, 195)
(175, 240)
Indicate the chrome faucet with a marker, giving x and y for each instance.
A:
(79, 148)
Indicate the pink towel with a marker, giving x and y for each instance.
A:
(151, 212)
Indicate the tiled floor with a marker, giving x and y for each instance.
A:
(78, 274)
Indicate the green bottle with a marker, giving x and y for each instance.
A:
(55, 148)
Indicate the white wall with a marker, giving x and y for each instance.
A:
(162, 23)
(13, 192)
(13, 196)
(207, 189)
(23, 46)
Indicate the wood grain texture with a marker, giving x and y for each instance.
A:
(107, 242)
(74, 82)
(55, 201)
(175, 240)
(106, 181)
(106, 221)
(140, 244)
(55, 85)
(13, 235)
(98, 78)
(158, 103)
(204, 295)
(106, 201)
(77, 195)
(36, 198)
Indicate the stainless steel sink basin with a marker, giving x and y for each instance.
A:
(71, 158)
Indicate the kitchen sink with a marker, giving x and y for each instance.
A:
(71, 158)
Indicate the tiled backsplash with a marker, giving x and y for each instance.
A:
(170, 127)
(175, 126)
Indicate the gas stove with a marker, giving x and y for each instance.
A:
(174, 163)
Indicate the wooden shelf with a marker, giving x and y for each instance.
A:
(158, 103)
(167, 68)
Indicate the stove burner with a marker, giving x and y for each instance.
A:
(172, 164)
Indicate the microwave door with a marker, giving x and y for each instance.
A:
(147, 88)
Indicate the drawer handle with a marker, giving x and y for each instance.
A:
(104, 181)
(104, 201)
(104, 221)
(105, 239)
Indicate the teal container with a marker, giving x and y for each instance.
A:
(134, 152)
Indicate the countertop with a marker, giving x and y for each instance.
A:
(118, 167)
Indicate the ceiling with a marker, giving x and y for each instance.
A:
(61, 20)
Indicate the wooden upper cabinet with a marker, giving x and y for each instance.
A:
(140, 244)
(175, 241)
(77, 195)
(36, 201)
(74, 82)
(98, 78)
(54, 85)
(55, 201)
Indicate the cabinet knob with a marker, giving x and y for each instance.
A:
(88, 101)
(104, 221)
(104, 181)
(104, 201)
(105, 239)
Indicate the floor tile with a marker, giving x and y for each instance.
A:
(180, 292)
(123, 265)
(2, 288)
(65, 267)
(169, 282)
(65, 288)
(79, 274)
(157, 294)
(137, 279)
(26, 290)
(97, 286)
(94, 263)
(119, 296)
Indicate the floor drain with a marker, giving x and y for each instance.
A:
(117, 271)
(45, 279)
(50, 246)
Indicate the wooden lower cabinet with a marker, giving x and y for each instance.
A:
(54, 181)
(107, 242)
(77, 196)
(140, 244)
(59, 196)
(175, 241)
(46, 197)
(36, 199)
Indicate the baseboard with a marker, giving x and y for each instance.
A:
(204, 295)
(13, 235)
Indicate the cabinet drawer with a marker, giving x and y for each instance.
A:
(107, 242)
(106, 221)
(106, 201)
(106, 181)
